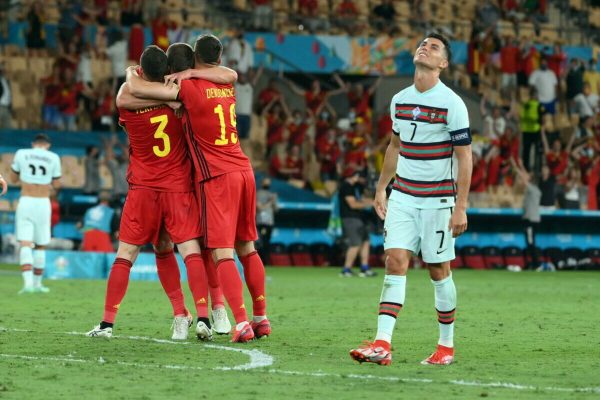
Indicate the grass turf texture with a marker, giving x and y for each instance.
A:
(530, 329)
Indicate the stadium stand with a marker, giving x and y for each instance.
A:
(501, 45)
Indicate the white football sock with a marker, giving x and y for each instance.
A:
(445, 304)
(390, 304)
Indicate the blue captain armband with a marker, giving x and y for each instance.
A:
(461, 137)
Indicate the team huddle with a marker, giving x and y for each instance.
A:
(191, 185)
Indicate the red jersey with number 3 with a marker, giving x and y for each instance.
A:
(210, 124)
(158, 156)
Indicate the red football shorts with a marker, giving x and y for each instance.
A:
(229, 209)
(146, 211)
(97, 240)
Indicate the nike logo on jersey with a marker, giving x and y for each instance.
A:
(440, 252)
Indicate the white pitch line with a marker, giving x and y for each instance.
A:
(257, 357)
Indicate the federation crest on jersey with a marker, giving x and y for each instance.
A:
(432, 115)
(416, 112)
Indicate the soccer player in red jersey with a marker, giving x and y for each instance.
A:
(161, 199)
(227, 187)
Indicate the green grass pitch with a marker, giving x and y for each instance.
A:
(518, 336)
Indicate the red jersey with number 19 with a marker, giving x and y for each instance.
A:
(210, 125)
(157, 150)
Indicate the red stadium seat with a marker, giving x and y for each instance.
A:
(458, 262)
(279, 256)
(472, 257)
(320, 254)
(300, 255)
(492, 255)
(514, 256)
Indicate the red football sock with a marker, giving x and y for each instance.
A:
(118, 279)
(232, 286)
(170, 279)
(254, 272)
(216, 294)
(198, 283)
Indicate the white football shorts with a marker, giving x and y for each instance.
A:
(418, 229)
(32, 220)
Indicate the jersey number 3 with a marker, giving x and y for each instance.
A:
(222, 141)
(160, 133)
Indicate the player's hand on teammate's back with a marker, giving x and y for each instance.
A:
(178, 77)
(380, 203)
(175, 105)
(458, 222)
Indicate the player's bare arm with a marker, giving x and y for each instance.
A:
(14, 177)
(141, 88)
(4, 186)
(458, 221)
(129, 102)
(388, 171)
(217, 74)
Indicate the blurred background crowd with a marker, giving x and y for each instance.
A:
(536, 104)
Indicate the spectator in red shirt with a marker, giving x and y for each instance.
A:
(510, 55)
(557, 158)
(68, 101)
(328, 154)
(360, 99)
(557, 61)
(308, 7)
(315, 98)
(136, 42)
(297, 127)
(478, 179)
(269, 93)
(275, 114)
(286, 166)
(102, 116)
(160, 27)
(347, 14)
(51, 86)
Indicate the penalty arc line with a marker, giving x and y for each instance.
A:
(259, 359)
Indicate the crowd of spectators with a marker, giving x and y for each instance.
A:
(537, 105)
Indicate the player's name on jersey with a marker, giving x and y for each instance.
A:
(216, 92)
(32, 157)
(148, 109)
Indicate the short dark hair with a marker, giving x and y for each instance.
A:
(208, 49)
(154, 63)
(180, 56)
(41, 138)
(446, 43)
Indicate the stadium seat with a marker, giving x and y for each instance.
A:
(458, 261)
(556, 256)
(300, 255)
(514, 256)
(473, 257)
(320, 254)
(279, 256)
(492, 255)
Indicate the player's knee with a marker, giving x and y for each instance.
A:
(243, 248)
(26, 243)
(396, 263)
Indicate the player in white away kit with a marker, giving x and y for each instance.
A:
(426, 210)
(39, 172)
